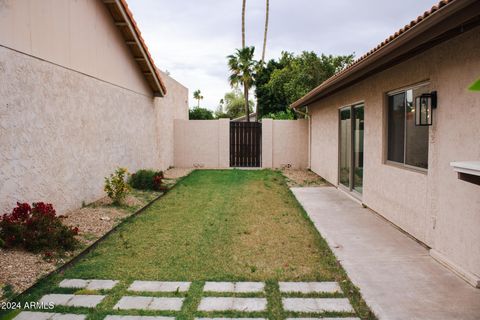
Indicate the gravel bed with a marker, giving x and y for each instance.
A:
(303, 178)
(20, 269)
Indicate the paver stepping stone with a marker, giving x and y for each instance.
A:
(317, 305)
(72, 300)
(30, 315)
(230, 303)
(323, 319)
(93, 284)
(149, 303)
(236, 287)
(230, 319)
(159, 286)
(309, 287)
(138, 318)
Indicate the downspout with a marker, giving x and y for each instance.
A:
(307, 115)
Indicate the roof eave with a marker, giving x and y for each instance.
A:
(354, 71)
(136, 43)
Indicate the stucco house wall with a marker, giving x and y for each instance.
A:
(74, 105)
(435, 206)
(78, 35)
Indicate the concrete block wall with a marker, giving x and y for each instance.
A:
(285, 143)
(202, 143)
(206, 143)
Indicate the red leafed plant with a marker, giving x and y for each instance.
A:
(36, 228)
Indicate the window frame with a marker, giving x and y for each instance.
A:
(402, 165)
(350, 189)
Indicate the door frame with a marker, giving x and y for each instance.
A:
(350, 189)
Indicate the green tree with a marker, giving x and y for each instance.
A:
(219, 112)
(268, 101)
(242, 67)
(197, 95)
(198, 113)
(281, 115)
(235, 104)
(279, 84)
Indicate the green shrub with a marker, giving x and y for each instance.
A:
(116, 186)
(36, 228)
(146, 180)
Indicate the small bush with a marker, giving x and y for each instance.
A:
(116, 186)
(146, 180)
(36, 228)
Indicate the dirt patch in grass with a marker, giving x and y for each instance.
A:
(176, 173)
(303, 178)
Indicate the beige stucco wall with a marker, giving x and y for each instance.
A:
(173, 106)
(79, 35)
(285, 143)
(202, 143)
(435, 207)
(74, 105)
(63, 131)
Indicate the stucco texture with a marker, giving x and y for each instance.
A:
(202, 143)
(285, 143)
(79, 35)
(434, 206)
(63, 131)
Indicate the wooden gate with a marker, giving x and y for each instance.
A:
(245, 144)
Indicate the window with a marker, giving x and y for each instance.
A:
(407, 143)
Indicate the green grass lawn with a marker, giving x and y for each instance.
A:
(213, 225)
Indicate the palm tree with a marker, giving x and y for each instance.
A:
(242, 68)
(265, 32)
(197, 95)
(243, 23)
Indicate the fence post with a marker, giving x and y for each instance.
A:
(267, 143)
(223, 143)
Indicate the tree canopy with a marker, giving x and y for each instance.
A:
(242, 72)
(233, 105)
(198, 113)
(280, 83)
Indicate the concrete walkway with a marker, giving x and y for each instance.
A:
(397, 277)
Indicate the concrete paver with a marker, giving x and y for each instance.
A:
(149, 303)
(231, 319)
(159, 286)
(87, 301)
(397, 277)
(317, 305)
(348, 318)
(234, 287)
(93, 284)
(231, 303)
(173, 304)
(130, 302)
(31, 315)
(138, 318)
(310, 287)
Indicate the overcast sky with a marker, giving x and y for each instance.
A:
(191, 38)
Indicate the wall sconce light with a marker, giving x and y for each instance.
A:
(424, 105)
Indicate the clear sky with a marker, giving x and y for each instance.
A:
(191, 38)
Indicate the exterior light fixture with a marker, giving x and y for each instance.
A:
(424, 105)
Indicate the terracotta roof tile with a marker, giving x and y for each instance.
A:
(142, 42)
(385, 42)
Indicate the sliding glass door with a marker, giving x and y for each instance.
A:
(351, 148)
